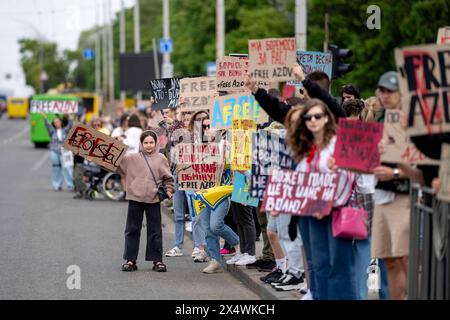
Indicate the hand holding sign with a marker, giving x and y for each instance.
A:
(249, 83)
(298, 72)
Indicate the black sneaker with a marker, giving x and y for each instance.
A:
(290, 283)
(273, 276)
(268, 266)
(260, 263)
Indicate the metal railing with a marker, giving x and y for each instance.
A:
(429, 247)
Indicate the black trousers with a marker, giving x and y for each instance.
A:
(133, 228)
(243, 216)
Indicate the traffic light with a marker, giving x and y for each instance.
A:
(339, 66)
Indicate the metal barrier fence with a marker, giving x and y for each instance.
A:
(429, 247)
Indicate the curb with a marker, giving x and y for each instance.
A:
(249, 277)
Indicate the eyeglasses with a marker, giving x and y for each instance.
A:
(206, 126)
(316, 116)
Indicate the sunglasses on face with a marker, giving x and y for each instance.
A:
(206, 126)
(316, 116)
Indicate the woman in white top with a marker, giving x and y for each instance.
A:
(133, 134)
(330, 260)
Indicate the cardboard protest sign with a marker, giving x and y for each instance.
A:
(300, 193)
(197, 93)
(269, 150)
(198, 176)
(311, 61)
(272, 59)
(443, 36)
(236, 106)
(49, 106)
(191, 153)
(357, 144)
(399, 148)
(88, 142)
(240, 192)
(165, 92)
(425, 87)
(444, 174)
(241, 144)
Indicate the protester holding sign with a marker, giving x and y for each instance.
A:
(144, 172)
(315, 84)
(330, 260)
(60, 169)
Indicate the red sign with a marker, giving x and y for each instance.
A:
(300, 193)
(357, 145)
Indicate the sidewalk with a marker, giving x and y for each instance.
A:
(250, 277)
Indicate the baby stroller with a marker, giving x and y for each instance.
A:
(100, 181)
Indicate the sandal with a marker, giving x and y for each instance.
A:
(159, 267)
(129, 266)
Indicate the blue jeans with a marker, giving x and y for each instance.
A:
(198, 225)
(59, 172)
(331, 261)
(384, 288)
(362, 261)
(216, 227)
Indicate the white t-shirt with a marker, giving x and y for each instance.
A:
(365, 183)
(59, 134)
(132, 139)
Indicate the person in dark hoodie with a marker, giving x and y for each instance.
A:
(315, 85)
(144, 171)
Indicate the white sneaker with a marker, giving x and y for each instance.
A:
(235, 258)
(195, 252)
(188, 226)
(245, 260)
(201, 256)
(213, 267)
(307, 296)
(174, 252)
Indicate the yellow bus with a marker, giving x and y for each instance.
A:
(17, 107)
(90, 102)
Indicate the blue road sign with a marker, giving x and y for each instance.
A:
(165, 45)
(88, 54)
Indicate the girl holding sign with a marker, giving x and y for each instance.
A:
(330, 260)
(144, 172)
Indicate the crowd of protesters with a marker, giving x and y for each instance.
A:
(299, 252)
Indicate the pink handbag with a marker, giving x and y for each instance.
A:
(351, 223)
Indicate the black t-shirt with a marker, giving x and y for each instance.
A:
(396, 185)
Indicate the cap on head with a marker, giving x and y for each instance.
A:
(389, 80)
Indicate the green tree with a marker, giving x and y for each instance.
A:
(37, 56)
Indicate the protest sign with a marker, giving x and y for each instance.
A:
(191, 153)
(357, 144)
(88, 142)
(49, 106)
(269, 150)
(197, 93)
(165, 92)
(236, 106)
(398, 147)
(444, 174)
(300, 193)
(443, 35)
(311, 61)
(198, 176)
(272, 59)
(424, 80)
(240, 192)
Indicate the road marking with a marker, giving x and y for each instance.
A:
(16, 136)
(41, 161)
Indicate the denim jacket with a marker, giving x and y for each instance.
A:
(55, 143)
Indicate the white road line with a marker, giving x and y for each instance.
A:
(41, 161)
(16, 136)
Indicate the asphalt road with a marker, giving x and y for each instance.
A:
(43, 233)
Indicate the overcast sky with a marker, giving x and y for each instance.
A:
(59, 21)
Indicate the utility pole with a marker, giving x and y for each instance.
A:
(97, 50)
(301, 22)
(137, 39)
(110, 55)
(167, 67)
(327, 33)
(105, 54)
(220, 29)
(122, 42)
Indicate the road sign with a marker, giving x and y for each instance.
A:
(165, 45)
(88, 54)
